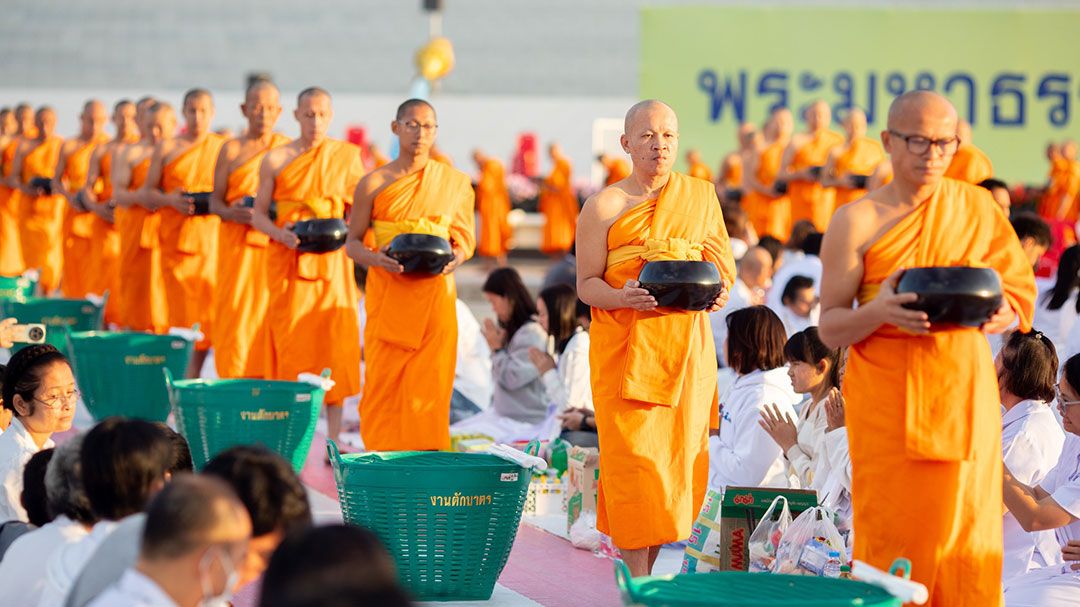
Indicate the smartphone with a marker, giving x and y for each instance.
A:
(28, 334)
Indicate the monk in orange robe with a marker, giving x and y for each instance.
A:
(439, 156)
(1059, 202)
(182, 166)
(72, 170)
(615, 168)
(922, 405)
(851, 166)
(242, 297)
(729, 181)
(767, 208)
(493, 206)
(410, 341)
(11, 256)
(803, 166)
(311, 318)
(559, 204)
(696, 167)
(105, 240)
(653, 369)
(141, 293)
(41, 212)
(969, 164)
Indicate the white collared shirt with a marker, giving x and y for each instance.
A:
(134, 590)
(16, 448)
(22, 572)
(1063, 485)
(472, 370)
(66, 563)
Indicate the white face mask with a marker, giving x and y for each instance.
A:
(232, 576)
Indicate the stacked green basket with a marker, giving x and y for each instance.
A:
(214, 415)
(448, 519)
(18, 288)
(60, 316)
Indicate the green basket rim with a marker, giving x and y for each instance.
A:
(101, 333)
(404, 460)
(247, 383)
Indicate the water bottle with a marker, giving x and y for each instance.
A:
(832, 566)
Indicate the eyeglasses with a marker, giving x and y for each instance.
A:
(57, 401)
(919, 145)
(414, 126)
(1061, 397)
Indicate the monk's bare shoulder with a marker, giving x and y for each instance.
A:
(607, 204)
(861, 222)
(278, 158)
(374, 182)
(69, 146)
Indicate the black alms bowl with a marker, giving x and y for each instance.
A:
(860, 181)
(248, 202)
(815, 172)
(953, 295)
(43, 184)
(201, 200)
(780, 187)
(321, 235)
(421, 253)
(688, 285)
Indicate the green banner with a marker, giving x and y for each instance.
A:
(1014, 74)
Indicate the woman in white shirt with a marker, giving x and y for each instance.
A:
(39, 389)
(567, 386)
(814, 370)
(1059, 307)
(743, 454)
(1031, 439)
(1053, 504)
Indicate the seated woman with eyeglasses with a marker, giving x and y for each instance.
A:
(1053, 504)
(39, 389)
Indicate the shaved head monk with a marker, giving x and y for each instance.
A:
(969, 163)
(410, 341)
(696, 167)
(311, 318)
(182, 167)
(493, 206)
(729, 180)
(850, 166)
(41, 212)
(922, 406)
(143, 306)
(767, 207)
(559, 204)
(98, 194)
(803, 166)
(72, 170)
(653, 369)
(18, 125)
(240, 313)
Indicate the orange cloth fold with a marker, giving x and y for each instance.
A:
(809, 199)
(105, 242)
(410, 341)
(493, 206)
(41, 218)
(732, 173)
(79, 273)
(654, 376)
(143, 305)
(970, 164)
(617, 170)
(559, 204)
(311, 317)
(189, 244)
(241, 300)
(1060, 199)
(11, 257)
(923, 412)
(700, 170)
(770, 215)
(860, 157)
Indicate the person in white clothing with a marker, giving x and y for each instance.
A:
(803, 261)
(196, 533)
(814, 370)
(743, 454)
(472, 371)
(1059, 307)
(800, 308)
(1031, 439)
(1053, 504)
(39, 389)
(752, 281)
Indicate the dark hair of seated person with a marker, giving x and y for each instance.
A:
(34, 497)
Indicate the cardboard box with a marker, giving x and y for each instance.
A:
(583, 474)
(740, 511)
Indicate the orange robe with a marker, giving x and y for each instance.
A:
(189, 244)
(105, 247)
(79, 273)
(141, 294)
(312, 319)
(860, 157)
(493, 205)
(770, 215)
(1064, 186)
(731, 173)
(241, 300)
(41, 218)
(410, 341)
(923, 412)
(11, 257)
(617, 170)
(700, 170)
(438, 156)
(559, 204)
(654, 374)
(970, 164)
(809, 199)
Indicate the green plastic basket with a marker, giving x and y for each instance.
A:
(60, 316)
(120, 373)
(214, 415)
(18, 288)
(742, 589)
(448, 519)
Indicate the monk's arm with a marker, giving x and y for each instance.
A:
(829, 177)
(1033, 508)
(149, 195)
(360, 223)
(93, 173)
(58, 182)
(260, 216)
(218, 204)
(591, 254)
(463, 230)
(750, 177)
(15, 179)
(1010, 262)
(786, 174)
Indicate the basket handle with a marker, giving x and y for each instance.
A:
(623, 581)
(903, 566)
(166, 372)
(325, 373)
(333, 452)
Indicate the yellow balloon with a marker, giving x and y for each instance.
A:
(435, 59)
